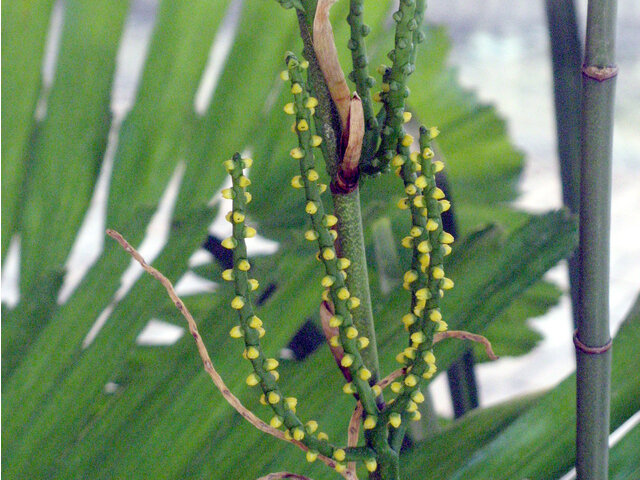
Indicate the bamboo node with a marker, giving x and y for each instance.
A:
(599, 73)
(590, 350)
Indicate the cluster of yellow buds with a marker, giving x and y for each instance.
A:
(251, 328)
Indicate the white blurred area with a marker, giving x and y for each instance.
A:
(501, 50)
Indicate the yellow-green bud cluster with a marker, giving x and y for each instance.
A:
(426, 278)
(251, 328)
(320, 232)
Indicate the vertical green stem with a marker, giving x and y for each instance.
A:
(566, 58)
(351, 237)
(594, 363)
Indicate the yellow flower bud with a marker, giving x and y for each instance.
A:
(417, 396)
(377, 390)
(438, 166)
(316, 140)
(407, 140)
(418, 337)
(334, 341)
(229, 165)
(296, 88)
(395, 420)
(255, 322)
(303, 126)
(249, 232)
(406, 117)
(312, 102)
(339, 454)
(427, 153)
(396, 387)
(244, 181)
(296, 153)
(408, 320)
(352, 332)
(236, 332)
(446, 284)
(397, 161)
(349, 389)
(323, 436)
(276, 422)
(353, 303)
(415, 231)
(370, 422)
(419, 202)
(407, 242)
(446, 238)
(424, 246)
(437, 273)
(290, 108)
(423, 294)
(244, 265)
(343, 263)
(328, 253)
(311, 208)
(284, 75)
(429, 357)
(270, 364)
(247, 162)
(312, 175)
(410, 189)
(322, 187)
(327, 281)
(437, 193)
(340, 467)
(411, 380)
(411, 406)
(410, 276)
(311, 456)
(433, 132)
(432, 225)
(347, 360)
(273, 398)
(238, 217)
(416, 416)
(421, 181)
(343, 293)
(253, 380)
(291, 402)
(442, 326)
(335, 321)
(228, 193)
(247, 197)
(230, 243)
(237, 303)
(330, 220)
(363, 342)
(447, 249)
(371, 464)
(228, 275)
(296, 182)
(402, 204)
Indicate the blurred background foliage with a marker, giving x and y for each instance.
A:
(115, 409)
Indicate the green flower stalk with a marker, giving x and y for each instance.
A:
(394, 88)
(339, 295)
(250, 329)
(360, 76)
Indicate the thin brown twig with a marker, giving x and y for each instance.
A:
(206, 360)
(462, 335)
(279, 475)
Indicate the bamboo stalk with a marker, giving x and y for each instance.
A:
(566, 58)
(592, 338)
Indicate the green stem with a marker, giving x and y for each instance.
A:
(594, 369)
(351, 237)
(360, 76)
(566, 59)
